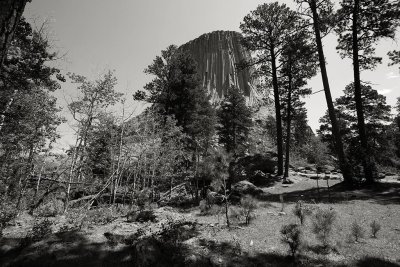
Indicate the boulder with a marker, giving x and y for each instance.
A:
(255, 168)
(214, 197)
(244, 188)
(381, 176)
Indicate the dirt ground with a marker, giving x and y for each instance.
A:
(258, 244)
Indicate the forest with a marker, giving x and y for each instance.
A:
(195, 180)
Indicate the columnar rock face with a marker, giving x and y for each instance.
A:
(216, 54)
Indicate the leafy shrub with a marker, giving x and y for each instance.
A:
(323, 225)
(357, 231)
(100, 216)
(248, 205)
(143, 198)
(235, 215)
(48, 210)
(301, 211)
(40, 230)
(375, 227)
(204, 207)
(145, 216)
(6, 215)
(75, 219)
(291, 235)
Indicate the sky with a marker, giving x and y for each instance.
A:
(126, 35)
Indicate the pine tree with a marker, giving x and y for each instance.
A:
(298, 65)
(361, 25)
(10, 14)
(322, 17)
(265, 31)
(235, 122)
(377, 117)
(176, 91)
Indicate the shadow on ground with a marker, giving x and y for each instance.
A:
(381, 193)
(73, 249)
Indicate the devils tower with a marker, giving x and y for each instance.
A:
(217, 54)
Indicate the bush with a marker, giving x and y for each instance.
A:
(323, 225)
(291, 235)
(375, 227)
(204, 207)
(143, 198)
(6, 215)
(248, 205)
(235, 214)
(75, 219)
(301, 211)
(40, 230)
(100, 216)
(145, 216)
(48, 210)
(357, 231)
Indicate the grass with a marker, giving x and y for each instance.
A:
(258, 244)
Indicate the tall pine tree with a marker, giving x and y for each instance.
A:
(235, 122)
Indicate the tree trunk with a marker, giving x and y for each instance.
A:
(368, 163)
(279, 136)
(288, 121)
(343, 162)
(10, 13)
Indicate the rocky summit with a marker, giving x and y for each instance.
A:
(217, 54)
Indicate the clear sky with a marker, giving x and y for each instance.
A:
(126, 35)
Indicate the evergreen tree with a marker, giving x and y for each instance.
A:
(235, 122)
(176, 91)
(377, 117)
(298, 65)
(10, 14)
(361, 25)
(322, 17)
(265, 31)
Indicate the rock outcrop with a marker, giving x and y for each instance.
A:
(217, 54)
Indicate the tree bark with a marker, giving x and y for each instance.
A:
(288, 122)
(367, 161)
(279, 136)
(10, 13)
(343, 162)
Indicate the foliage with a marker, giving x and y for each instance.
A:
(361, 24)
(40, 230)
(299, 63)
(100, 216)
(320, 18)
(357, 231)
(376, 19)
(292, 236)
(315, 152)
(29, 114)
(248, 205)
(322, 225)
(176, 91)
(265, 32)
(301, 211)
(235, 122)
(146, 216)
(394, 57)
(375, 228)
(203, 206)
(377, 117)
(7, 213)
